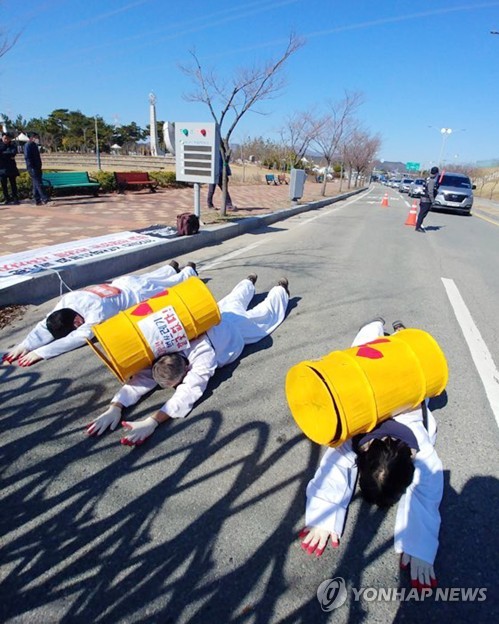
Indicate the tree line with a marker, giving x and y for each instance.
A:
(72, 131)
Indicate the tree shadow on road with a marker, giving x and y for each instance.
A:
(93, 536)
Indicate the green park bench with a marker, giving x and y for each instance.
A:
(67, 180)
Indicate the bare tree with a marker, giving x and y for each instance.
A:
(6, 42)
(335, 128)
(236, 96)
(297, 134)
(360, 152)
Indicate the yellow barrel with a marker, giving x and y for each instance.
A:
(351, 391)
(165, 323)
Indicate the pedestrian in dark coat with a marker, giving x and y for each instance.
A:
(211, 188)
(427, 199)
(34, 167)
(8, 168)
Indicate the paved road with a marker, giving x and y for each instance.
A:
(200, 524)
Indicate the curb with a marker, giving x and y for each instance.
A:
(47, 284)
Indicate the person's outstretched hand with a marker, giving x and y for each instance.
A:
(13, 354)
(29, 359)
(422, 572)
(110, 418)
(315, 540)
(138, 432)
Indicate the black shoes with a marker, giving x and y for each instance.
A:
(420, 229)
(252, 278)
(379, 319)
(398, 325)
(284, 283)
(175, 265)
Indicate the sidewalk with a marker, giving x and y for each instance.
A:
(32, 275)
(67, 219)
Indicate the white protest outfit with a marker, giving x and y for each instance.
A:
(99, 303)
(418, 519)
(220, 345)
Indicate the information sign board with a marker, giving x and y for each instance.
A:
(197, 146)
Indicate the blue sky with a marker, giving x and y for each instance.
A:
(418, 64)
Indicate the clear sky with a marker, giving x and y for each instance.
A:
(418, 64)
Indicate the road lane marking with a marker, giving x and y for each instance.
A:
(476, 214)
(479, 351)
(229, 256)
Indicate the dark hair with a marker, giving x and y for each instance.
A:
(8, 134)
(60, 323)
(434, 170)
(32, 134)
(386, 470)
(169, 369)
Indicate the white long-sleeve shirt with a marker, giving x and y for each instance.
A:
(99, 303)
(220, 346)
(418, 518)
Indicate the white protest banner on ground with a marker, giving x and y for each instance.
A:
(164, 332)
(22, 266)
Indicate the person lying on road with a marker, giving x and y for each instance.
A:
(69, 325)
(395, 462)
(190, 370)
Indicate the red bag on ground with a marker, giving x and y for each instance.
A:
(187, 224)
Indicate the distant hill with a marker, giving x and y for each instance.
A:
(391, 166)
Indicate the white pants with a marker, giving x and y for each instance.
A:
(149, 284)
(260, 321)
(369, 332)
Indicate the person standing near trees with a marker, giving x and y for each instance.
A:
(8, 168)
(34, 167)
(212, 187)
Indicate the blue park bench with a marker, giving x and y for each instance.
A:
(68, 180)
(270, 178)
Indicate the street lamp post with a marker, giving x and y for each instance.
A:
(445, 132)
(445, 135)
(97, 151)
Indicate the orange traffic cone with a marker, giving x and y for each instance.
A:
(413, 214)
(384, 201)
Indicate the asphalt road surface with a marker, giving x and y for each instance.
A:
(200, 523)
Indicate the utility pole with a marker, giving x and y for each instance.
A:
(97, 151)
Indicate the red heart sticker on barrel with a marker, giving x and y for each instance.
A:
(142, 309)
(368, 352)
(160, 294)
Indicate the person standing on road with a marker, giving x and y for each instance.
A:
(34, 167)
(430, 191)
(190, 370)
(396, 462)
(8, 168)
(69, 325)
(211, 188)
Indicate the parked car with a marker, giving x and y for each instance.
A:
(455, 192)
(394, 182)
(417, 187)
(405, 185)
